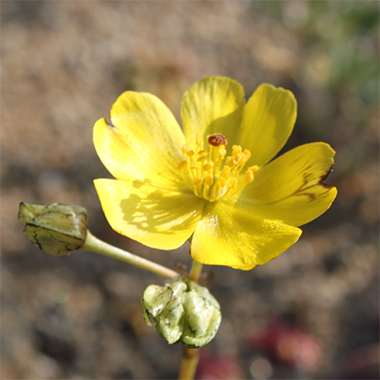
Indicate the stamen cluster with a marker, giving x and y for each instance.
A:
(210, 173)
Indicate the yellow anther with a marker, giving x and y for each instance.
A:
(185, 148)
(221, 182)
(209, 179)
(202, 152)
(249, 176)
(230, 161)
(201, 159)
(197, 181)
(182, 165)
(190, 153)
(236, 149)
(222, 150)
(254, 168)
(247, 154)
(208, 166)
(233, 183)
(237, 158)
(226, 171)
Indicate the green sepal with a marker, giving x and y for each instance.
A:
(56, 229)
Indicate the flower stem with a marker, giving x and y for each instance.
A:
(195, 271)
(190, 356)
(189, 363)
(94, 244)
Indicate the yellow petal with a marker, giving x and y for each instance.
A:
(268, 120)
(290, 188)
(143, 142)
(229, 235)
(158, 218)
(212, 105)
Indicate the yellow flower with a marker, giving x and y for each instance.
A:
(214, 182)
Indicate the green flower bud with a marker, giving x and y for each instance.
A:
(163, 308)
(183, 311)
(56, 229)
(202, 318)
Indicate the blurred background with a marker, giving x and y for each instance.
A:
(312, 313)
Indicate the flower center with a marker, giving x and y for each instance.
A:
(210, 173)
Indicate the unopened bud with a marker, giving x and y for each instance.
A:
(56, 229)
(202, 317)
(182, 311)
(162, 308)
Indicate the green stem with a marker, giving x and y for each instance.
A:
(190, 356)
(189, 363)
(195, 271)
(94, 244)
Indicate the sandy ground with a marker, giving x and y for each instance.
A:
(313, 313)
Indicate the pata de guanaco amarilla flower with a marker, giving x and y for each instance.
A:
(213, 182)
